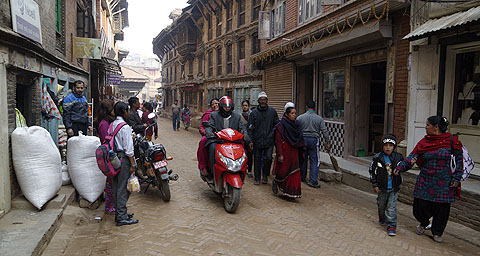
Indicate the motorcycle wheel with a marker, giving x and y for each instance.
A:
(164, 189)
(232, 199)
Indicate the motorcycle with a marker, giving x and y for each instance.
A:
(230, 167)
(152, 162)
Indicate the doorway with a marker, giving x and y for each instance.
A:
(304, 91)
(369, 93)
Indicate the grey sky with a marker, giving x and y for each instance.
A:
(146, 19)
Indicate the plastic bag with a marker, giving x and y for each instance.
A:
(133, 185)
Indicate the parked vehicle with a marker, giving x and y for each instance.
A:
(152, 162)
(230, 167)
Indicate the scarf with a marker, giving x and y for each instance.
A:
(290, 131)
(435, 142)
(246, 114)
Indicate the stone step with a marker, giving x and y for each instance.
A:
(329, 175)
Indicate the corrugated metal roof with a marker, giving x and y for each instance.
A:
(433, 25)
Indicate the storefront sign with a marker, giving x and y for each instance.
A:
(26, 19)
(87, 48)
(115, 79)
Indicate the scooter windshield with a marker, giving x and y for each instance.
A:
(229, 134)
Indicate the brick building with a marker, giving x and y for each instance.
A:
(348, 56)
(205, 52)
(36, 52)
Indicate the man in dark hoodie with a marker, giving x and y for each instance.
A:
(260, 126)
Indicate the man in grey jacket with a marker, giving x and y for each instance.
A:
(312, 125)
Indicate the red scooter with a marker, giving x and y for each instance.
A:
(230, 168)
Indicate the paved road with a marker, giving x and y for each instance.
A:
(333, 220)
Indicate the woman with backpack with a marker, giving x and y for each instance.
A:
(124, 149)
(105, 117)
(436, 184)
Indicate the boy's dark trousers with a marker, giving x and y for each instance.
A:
(387, 207)
(120, 192)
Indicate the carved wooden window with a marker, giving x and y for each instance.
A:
(241, 12)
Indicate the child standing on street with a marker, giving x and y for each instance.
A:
(385, 184)
(186, 116)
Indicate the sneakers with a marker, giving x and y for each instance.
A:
(256, 182)
(249, 174)
(391, 232)
(265, 180)
(313, 185)
(437, 239)
(420, 230)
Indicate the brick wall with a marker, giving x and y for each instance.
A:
(401, 28)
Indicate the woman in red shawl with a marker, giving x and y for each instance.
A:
(289, 144)
(202, 152)
(436, 183)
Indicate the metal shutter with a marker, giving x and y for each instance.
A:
(278, 85)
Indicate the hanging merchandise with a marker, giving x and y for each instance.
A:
(19, 119)
(49, 108)
(37, 164)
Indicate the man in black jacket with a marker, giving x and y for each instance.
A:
(221, 119)
(134, 120)
(260, 126)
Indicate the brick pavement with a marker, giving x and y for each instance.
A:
(333, 220)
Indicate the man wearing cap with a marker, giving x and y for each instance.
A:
(261, 122)
(312, 126)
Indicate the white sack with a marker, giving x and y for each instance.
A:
(65, 177)
(37, 163)
(87, 179)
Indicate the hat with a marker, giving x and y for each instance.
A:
(389, 138)
(288, 105)
(262, 94)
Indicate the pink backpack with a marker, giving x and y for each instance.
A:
(102, 152)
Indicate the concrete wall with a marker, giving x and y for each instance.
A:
(5, 198)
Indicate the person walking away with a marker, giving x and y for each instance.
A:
(312, 126)
(124, 149)
(245, 114)
(261, 123)
(186, 116)
(147, 109)
(202, 152)
(75, 111)
(436, 183)
(134, 120)
(289, 145)
(105, 117)
(219, 120)
(176, 115)
(385, 184)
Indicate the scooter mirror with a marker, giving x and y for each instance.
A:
(205, 124)
(151, 116)
(169, 158)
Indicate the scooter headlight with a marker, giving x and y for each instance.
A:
(232, 165)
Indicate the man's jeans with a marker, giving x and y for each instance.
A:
(312, 151)
(387, 207)
(176, 121)
(262, 155)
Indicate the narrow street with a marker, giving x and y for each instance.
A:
(332, 220)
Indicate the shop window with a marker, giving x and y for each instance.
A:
(241, 12)
(255, 9)
(333, 95)
(229, 15)
(229, 58)
(279, 17)
(466, 98)
(219, 61)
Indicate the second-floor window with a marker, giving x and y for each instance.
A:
(200, 64)
(190, 67)
(241, 57)
(279, 17)
(229, 15)
(60, 25)
(255, 44)
(241, 12)
(219, 61)
(210, 63)
(255, 9)
(209, 27)
(308, 9)
(229, 58)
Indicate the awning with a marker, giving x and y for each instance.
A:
(110, 65)
(444, 23)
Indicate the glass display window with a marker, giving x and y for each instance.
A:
(334, 95)
(466, 97)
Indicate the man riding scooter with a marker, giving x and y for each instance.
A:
(219, 120)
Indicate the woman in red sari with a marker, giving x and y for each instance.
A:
(289, 144)
(202, 152)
